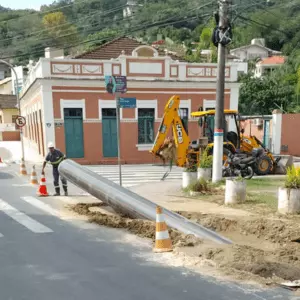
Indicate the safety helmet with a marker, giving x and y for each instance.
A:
(50, 145)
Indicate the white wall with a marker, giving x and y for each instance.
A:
(276, 132)
(6, 88)
(250, 52)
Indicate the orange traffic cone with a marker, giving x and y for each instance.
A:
(33, 178)
(23, 168)
(42, 191)
(163, 242)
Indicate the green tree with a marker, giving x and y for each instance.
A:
(205, 43)
(263, 95)
(59, 30)
(99, 38)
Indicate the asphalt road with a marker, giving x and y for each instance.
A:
(44, 257)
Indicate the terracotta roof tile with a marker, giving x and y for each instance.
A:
(114, 48)
(273, 60)
(8, 101)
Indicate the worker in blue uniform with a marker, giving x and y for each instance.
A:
(55, 157)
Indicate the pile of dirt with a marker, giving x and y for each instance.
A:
(282, 261)
(141, 228)
(274, 231)
(279, 263)
(266, 264)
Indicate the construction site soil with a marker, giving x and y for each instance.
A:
(264, 250)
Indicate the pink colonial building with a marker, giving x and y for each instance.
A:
(64, 100)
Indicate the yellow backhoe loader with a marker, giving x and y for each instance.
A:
(237, 142)
(186, 153)
(179, 149)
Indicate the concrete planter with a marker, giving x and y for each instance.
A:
(235, 191)
(205, 173)
(288, 201)
(188, 178)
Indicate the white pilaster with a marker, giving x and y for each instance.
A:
(48, 115)
(276, 131)
(234, 105)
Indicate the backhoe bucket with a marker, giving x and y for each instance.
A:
(284, 163)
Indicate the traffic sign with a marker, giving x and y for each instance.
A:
(20, 121)
(116, 84)
(127, 102)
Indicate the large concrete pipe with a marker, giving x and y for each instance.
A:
(129, 203)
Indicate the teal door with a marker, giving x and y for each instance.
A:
(266, 141)
(109, 133)
(74, 132)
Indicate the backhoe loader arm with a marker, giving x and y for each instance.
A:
(171, 118)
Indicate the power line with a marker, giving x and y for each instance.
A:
(66, 23)
(263, 25)
(48, 11)
(156, 24)
(106, 12)
(97, 28)
(143, 27)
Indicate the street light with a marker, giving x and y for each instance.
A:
(18, 101)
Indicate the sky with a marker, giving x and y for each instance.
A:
(33, 4)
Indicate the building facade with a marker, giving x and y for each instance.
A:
(268, 65)
(65, 101)
(256, 50)
(9, 131)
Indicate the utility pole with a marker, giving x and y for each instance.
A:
(219, 116)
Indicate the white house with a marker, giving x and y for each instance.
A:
(256, 50)
(267, 65)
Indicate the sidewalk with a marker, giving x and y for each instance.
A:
(11, 152)
(170, 196)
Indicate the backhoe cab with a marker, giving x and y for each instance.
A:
(236, 141)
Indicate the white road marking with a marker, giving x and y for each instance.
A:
(41, 205)
(23, 219)
(134, 175)
(46, 207)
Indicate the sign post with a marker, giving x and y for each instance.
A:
(117, 85)
(119, 136)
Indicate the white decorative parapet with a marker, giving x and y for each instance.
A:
(135, 68)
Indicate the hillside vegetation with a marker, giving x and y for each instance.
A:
(83, 24)
(70, 24)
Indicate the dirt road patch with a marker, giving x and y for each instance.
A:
(270, 255)
(273, 230)
(141, 228)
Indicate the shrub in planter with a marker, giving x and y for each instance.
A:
(205, 166)
(289, 195)
(189, 176)
(200, 187)
(235, 190)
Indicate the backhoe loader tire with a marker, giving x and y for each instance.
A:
(264, 166)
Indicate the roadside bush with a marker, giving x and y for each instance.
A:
(206, 161)
(292, 180)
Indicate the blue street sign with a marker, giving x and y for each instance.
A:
(127, 102)
(116, 84)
